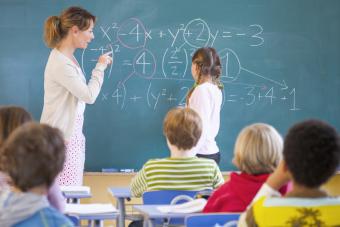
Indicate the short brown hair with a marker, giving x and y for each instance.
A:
(258, 149)
(11, 117)
(33, 155)
(182, 127)
(57, 27)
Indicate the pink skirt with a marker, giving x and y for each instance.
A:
(72, 173)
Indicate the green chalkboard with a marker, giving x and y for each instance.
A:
(281, 64)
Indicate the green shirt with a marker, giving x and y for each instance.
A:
(191, 174)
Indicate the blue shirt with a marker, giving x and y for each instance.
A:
(46, 217)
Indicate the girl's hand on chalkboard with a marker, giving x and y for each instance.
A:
(105, 59)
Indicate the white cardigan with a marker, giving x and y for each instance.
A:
(64, 86)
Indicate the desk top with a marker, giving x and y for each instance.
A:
(105, 216)
(120, 192)
(77, 195)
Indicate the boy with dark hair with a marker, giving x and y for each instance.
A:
(33, 155)
(182, 128)
(311, 155)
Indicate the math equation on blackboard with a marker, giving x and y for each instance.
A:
(152, 66)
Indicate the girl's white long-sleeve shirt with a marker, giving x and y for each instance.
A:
(206, 100)
(64, 88)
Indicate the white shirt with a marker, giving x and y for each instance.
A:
(64, 87)
(206, 100)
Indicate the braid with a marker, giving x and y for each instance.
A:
(217, 82)
(194, 86)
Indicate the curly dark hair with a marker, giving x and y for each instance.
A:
(312, 152)
(33, 155)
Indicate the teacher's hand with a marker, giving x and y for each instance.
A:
(105, 59)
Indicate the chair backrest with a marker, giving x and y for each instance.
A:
(212, 220)
(166, 196)
(74, 219)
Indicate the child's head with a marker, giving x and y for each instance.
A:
(311, 152)
(258, 149)
(206, 62)
(11, 117)
(182, 128)
(33, 155)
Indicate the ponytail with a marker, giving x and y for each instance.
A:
(57, 27)
(52, 32)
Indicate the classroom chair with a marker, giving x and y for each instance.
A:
(74, 219)
(212, 220)
(168, 197)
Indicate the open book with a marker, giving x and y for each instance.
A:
(193, 206)
(94, 208)
(76, 190)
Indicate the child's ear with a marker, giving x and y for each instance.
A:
(284, 166)
(235, 161)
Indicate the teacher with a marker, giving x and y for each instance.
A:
(65, 90)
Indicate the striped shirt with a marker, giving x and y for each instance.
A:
(191, 174)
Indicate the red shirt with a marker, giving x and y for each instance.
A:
(236, 194)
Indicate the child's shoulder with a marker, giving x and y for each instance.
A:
(207, 161)
(47, 215)
(206, 89)
(156, 161)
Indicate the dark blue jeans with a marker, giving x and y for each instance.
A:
(216, 157)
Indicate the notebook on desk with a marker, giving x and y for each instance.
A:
(90, 209)
(193, 206)
(76, 190)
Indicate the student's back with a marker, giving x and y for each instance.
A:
(276, 211)
(258, 150)
(182, 170)
(192, 174)
(311, 155)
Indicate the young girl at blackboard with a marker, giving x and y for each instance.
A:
(206, 99)
(257, 152)
(66, 91)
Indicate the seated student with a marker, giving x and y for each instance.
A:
(257, 152)
(182, 128)
(311, 155)
(11, 117)
(33, 155)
